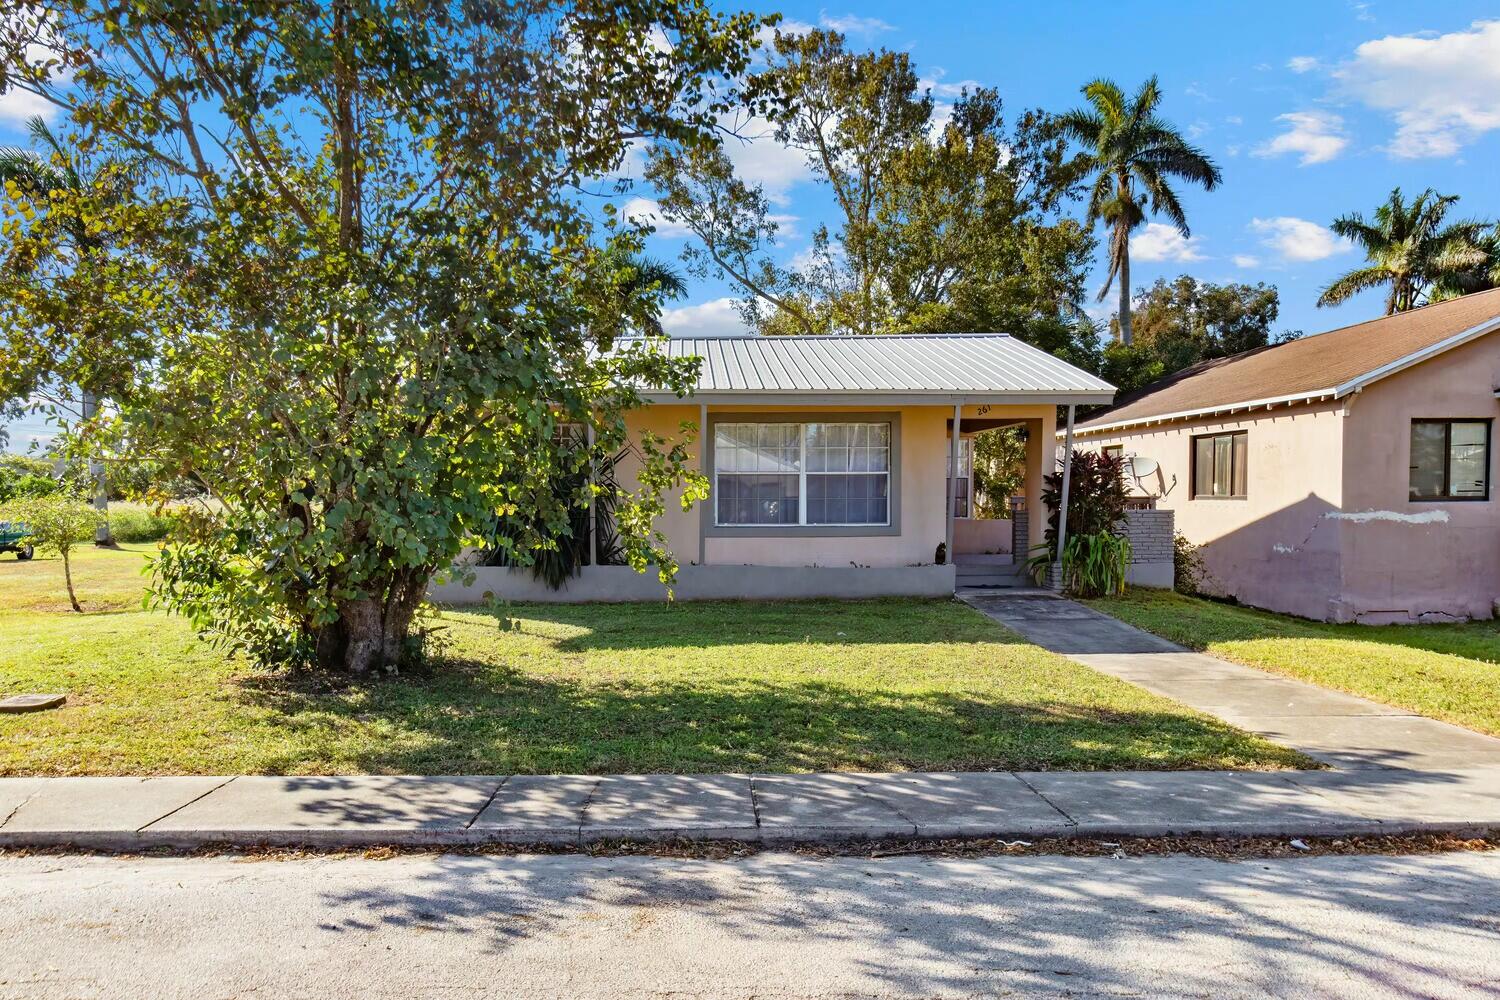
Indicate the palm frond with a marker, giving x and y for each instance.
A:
(1348, 285)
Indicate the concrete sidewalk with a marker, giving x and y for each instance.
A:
(1336, 728)
(137, 813)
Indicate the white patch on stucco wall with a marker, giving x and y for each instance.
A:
(1365, 516)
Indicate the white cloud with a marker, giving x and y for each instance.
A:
(759, 159)
(1318, 136)
(1246, 260)
(1443, 91)
(1162, 242)
(716, 318)
(1302, 64)
(1298, 239)
(16, 105)
(853, 24)
(644, 210)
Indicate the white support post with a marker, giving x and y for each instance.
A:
(1062, 513)
(591, 530)
(951, 489)
(706, 508)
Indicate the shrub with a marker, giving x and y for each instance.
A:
(1096, 497)
(1188, 571)
(135, 522)
(1095, 565)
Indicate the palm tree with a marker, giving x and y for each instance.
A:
(1479, 278)
(1408, 247)
(51, 173)
(647, 275)
(1132, 153)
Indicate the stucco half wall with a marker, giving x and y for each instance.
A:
(701, 583)
(1327, 529)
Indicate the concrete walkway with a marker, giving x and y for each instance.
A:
(137, 813)
(1338, 729)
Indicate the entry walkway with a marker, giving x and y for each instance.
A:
(1342, 730)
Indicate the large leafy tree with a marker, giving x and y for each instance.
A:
(53, 176)
(1133, 154)
(1182, 322)
(1412, 250)
(939, 225)
(368, 283)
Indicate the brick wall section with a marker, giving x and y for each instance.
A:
(1020, 530)
(1150, 534)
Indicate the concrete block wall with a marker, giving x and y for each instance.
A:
(1150, 533)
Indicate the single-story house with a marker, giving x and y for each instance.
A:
(1347, 476)
(829, 461)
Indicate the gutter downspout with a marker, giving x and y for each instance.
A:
(1062, 514)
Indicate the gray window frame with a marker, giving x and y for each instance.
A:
(709, 515)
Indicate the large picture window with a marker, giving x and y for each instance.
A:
(802, 473)
(1450, 460)
(1220, 465)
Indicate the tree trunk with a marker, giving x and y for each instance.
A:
(372, 634)
(102, 534)
(1125, 292)
(68, 576)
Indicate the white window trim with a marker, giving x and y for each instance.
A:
(802, 474)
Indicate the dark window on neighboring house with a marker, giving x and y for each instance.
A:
(1450, 460)
(1113, 450)
(1219, 464)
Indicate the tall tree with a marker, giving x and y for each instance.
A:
(371, 284)
(1133, 155)
(1182, 322)
(53, 176)
(1409, 247)
(941, 224)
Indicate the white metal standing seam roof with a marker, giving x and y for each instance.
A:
(958, 367)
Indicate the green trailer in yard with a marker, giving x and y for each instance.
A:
(14, 537)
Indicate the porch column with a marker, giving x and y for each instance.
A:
(591, 529)
(704, 509)
(1062, 513)
(952, 484)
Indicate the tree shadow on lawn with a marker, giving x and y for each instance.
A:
(472, 717)
(700, 624)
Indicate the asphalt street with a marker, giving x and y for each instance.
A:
(772, 925)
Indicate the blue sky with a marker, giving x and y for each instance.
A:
(1312, 109)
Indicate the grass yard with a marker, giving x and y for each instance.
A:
(1449, 672)
(819, 685)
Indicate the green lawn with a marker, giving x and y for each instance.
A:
(689, 687)
(1449, 672)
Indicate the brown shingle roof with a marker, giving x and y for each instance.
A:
(1312, 365)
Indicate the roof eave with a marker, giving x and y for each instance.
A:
(1313, 396)
(859, 397)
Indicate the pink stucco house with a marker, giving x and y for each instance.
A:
(1347, 476)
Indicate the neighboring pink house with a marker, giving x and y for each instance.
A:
(1347, 476)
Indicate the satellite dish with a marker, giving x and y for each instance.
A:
(1142, 469)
